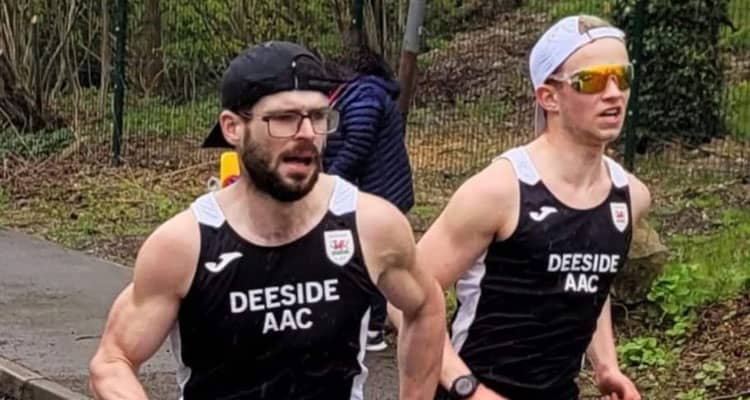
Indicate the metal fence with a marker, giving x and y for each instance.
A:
(473, 97)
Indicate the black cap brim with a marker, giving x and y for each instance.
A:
(216, 138)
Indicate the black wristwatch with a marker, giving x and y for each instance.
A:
(464, 387)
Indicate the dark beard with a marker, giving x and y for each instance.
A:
(257, 163)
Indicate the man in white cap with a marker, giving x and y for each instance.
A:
(534, 240)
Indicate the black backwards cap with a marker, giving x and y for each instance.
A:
(265, 69)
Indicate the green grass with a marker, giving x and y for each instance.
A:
(154, 117)
(426, 212)
(4, 199)
(739, 14)
(563, 8)
(705, 268)
(738, 104)
(738, 40)
(34, 145)
(475, 111)
(82, 218)
(451, 303)
(157, 117)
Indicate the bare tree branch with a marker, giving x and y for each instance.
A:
(72, 14)
(105, 51)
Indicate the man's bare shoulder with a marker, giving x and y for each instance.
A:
(490, 189)
(640, 197)
(169, 255)
(385, 235)
(495, 181)
(378, 220)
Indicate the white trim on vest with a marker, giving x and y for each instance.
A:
(344, 198)
(207, 211)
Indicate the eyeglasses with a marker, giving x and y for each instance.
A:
(594, 79)
(285, 124)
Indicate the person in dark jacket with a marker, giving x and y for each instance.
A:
(369, 148)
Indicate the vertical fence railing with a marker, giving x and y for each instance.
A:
(118, 104)
(634, 106)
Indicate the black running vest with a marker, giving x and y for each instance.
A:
(529, 306)
(285, 322)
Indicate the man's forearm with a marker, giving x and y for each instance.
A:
(453, 366)
(420, 344)
(601, 350)
(115, 380)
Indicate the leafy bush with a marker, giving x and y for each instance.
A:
(706, 269)
(643, 352)
(737, 36)
(200, 36)
(676, 291)
(682, 66)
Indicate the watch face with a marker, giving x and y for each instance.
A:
(464, 386)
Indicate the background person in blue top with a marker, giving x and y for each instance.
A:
(369, 149)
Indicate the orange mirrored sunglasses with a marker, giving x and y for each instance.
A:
(593, 79)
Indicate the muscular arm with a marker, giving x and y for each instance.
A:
(388, 245)
(482, 209)
(145, 311)
(601, 350)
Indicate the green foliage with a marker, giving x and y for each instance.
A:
(4, 198)
(563, 8)
(693, 394)
(644, 352)
(199, 37)
(682, 65)
(711, 373)
(737, 36)
(477, 110)
(484, 108)
(164, 206)
(705, 269)
(83, 218)
(189, 38)
(451, 304)
(158, 117)
(443, 19)
(738, 107)
(676, 292)
(34, 145)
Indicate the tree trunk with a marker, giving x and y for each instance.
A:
(153, 64)
(17, 105)
(344, 20)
